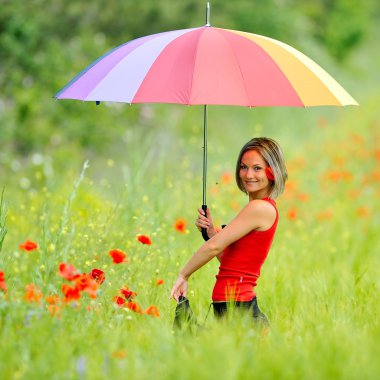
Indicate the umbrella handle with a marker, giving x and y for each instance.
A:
(204, 230)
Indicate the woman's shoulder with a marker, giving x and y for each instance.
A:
(262, 205)
(264, 210)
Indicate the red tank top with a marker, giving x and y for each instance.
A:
(241, 263)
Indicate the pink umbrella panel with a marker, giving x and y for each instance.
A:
(207, 65)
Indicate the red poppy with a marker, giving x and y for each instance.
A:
(152, 310)
(118, 256)
(159, 281)
(52, 299)
(28, 245)
(85, 283)
(290, 186)
(334, 175)
(98, 275)
(292, 214)
(3, 285)
(144, 239)
(82, 281)
(128, 293)
(54, 310)
(71, 293)
(119, 300)
(67, 271)
(180, 225)
(134, 306)
(33, 293)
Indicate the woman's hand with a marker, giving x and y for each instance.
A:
(179, 288)
(205, 222)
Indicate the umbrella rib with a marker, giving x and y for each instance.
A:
(238, 64)
(192, 76)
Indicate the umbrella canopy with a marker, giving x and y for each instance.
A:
(207, 65)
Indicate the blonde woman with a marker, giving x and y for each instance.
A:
(243, 245)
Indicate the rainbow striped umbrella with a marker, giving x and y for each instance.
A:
(207, 65)
(203, 66)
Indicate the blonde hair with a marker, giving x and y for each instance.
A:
(273, 156)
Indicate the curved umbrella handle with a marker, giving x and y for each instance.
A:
(204, 230)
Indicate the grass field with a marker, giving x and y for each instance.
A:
(319, 286)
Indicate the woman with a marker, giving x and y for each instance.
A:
(243, 245)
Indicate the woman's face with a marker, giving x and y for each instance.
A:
(252, 175)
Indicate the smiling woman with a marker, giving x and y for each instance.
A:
(243, 245)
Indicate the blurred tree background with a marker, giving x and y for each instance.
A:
(44, 43)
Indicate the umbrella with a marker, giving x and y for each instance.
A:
(207, 66)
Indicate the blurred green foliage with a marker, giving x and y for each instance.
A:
(339, 25)
(44, 43)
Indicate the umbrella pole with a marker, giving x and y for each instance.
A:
(204, 206)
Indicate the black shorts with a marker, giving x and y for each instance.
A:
(220, 309)
(184, 316)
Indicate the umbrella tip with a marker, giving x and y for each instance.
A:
(208, 14)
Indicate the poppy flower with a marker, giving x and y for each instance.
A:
(334, 175)
(290, 186)
(144, 239)
(152, 310)
(128, 293)
(67, 271)
(32, 293)
(81, 282)
(159, 281)
(180, 225)
(98, 275)
(119, 300)
(28, 245)
(71, 293)
(85, 283)
(118, 256)
(3, 285)
(134, 306)
(52, 299)
(292, 214)
(54, 310)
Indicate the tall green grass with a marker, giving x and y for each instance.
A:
(319, 286)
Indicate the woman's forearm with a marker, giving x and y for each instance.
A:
(200, 258)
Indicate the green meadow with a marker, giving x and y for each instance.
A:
(82, 192)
